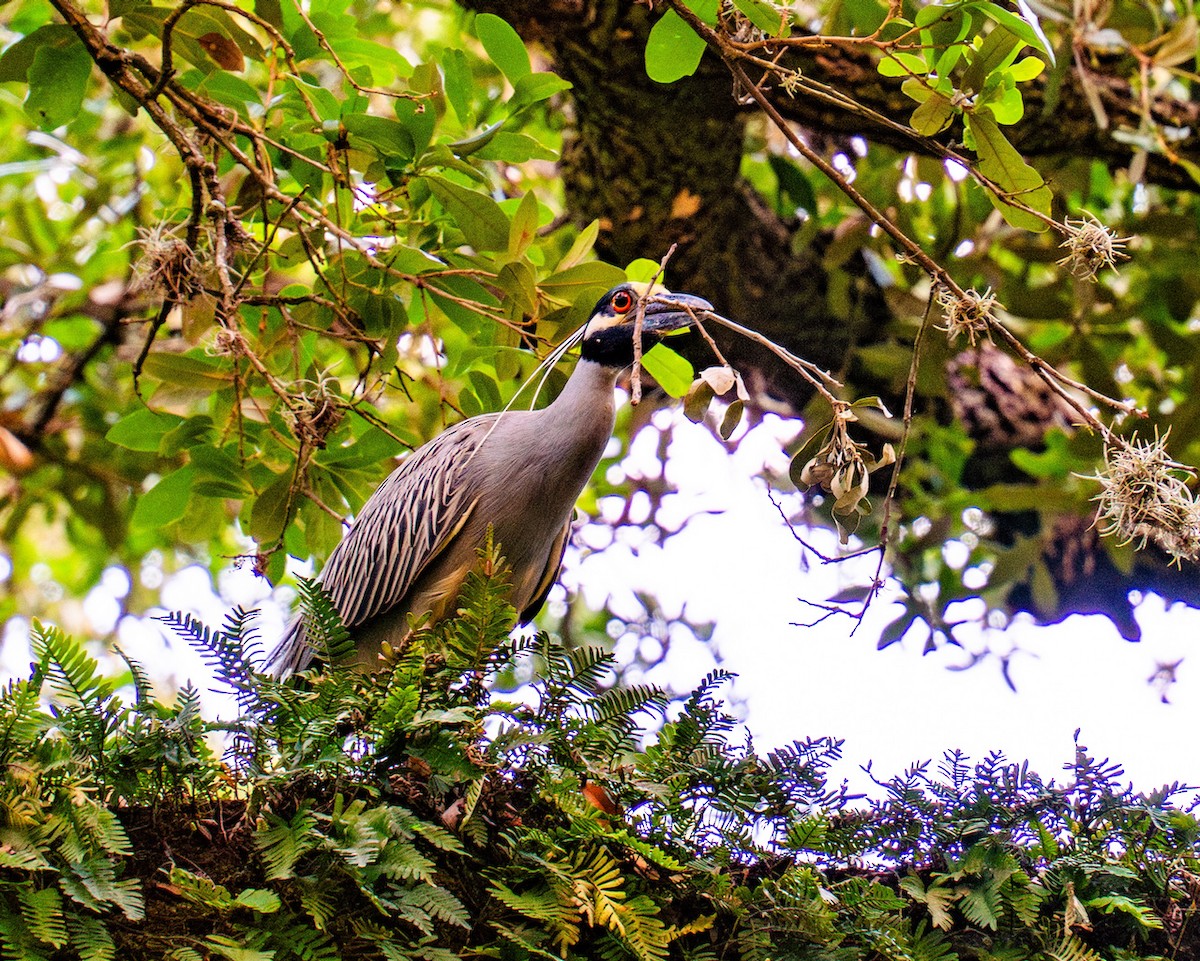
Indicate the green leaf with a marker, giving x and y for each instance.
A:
(485, 389)
(165, 502)
(1000, 162)
(420, 118)
(933, 116)
(1026, 26)
(258, 899)
(142, 430)
(193, 36)
(459, 85)
(642, 270)
(466, 146)
(1006, 105)
(17, 59)
(58, 80)
(569, 283)
(269, 514)
(899, 64)
(766, 16)
(519, 284)
(219, 473)
(477, 215)
(187, 370)
(514, 148)
(673, 372)
(390, 138)
(535, 88)
(673, 49)
(411, 260)
(931, 14)
(1027, 68)
(504, 46)
(997, 50)
(233, 950)
(581, 247)
(524, 225)
(793, 182)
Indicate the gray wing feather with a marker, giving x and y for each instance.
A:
(403, 525)
(400, 529)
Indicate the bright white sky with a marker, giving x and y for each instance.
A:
(743, 569)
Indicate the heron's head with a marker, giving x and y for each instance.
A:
(608, 336)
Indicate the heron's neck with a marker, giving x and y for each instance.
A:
(585, 407)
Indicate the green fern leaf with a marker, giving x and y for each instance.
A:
(438, 903)
(93, 883)
(401, 861)
(305, 944)
(16, 943)
(91, 939)
(143, 686)
(318, 904)
(71, 671)
(43, 914)
(527, 939)
(282, 843)
(1143, 915)
(538, 904)
(644, 931)
(234, 950)
(981, 905)
(931, 945)
(1070, 948)
(21, 719)
(323, 627)
(937, 898)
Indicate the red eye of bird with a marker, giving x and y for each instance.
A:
(622, 301)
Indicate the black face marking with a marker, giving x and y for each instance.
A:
(613, 346)
(610, 342)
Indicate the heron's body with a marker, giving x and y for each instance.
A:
(518, 472)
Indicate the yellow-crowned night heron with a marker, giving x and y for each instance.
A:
(519, 472)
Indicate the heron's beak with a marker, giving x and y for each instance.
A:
(666, 312)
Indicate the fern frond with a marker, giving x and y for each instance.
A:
(317, 902)
(71, 671)
(230, 652)
(21, 720)
(1070, 948)
(302, 942)
(527, 939)
(538, 904)
(323, 627)
(248, 948)
(42, 912)
(143, 686)
(282, 843)
(644, 932)
(440, 904)
(90, 938)
(401, 861)
(623, 702)
(93, 883)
